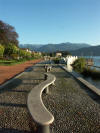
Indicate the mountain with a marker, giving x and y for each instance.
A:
(62, 47)
(32, 47)
(56, 47)
(90, 51)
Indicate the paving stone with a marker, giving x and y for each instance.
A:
(73, 107)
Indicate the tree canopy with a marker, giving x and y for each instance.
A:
(8, 34)
(1, 50)
(11, 49)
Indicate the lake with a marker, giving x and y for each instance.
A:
(96, 60)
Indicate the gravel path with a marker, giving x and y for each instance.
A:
(14, 116)
(75, 108)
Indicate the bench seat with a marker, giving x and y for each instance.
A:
(37, 109)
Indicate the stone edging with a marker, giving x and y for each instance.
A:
(35, 104)
(17, 75)
(83, 81)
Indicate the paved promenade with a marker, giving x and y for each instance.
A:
(75, 108)
(14, 116)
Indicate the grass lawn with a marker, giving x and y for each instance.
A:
(14, 62)
(11, 62)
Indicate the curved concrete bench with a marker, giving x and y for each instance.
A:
(38, 111)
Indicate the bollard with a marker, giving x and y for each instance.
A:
(45, 77)
(46, 69)
(43, 129)
(46, 90)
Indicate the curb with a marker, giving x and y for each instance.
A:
(15, 77)
(83, 81)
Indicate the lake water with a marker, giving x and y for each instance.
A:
(95, 82)
(96, 60)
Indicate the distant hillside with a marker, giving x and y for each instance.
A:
(33, 47)
(90, 51)
(56, 47)
(61, 47)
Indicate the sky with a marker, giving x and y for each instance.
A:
(53, 21)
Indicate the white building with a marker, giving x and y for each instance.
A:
(68, 60)
(58, 54)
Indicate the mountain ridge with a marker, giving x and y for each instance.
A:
(55, 47)
(89, 51)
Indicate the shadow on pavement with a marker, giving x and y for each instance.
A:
(11, 85)
(13, 105)
(10, 130)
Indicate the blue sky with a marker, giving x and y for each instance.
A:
(53, 21)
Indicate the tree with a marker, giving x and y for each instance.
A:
(11, 49)
(8, 34)
(28, 55)
(65, 53)
(25, 54)
(1, 50)
(22, 53)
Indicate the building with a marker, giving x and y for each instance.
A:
(58, 54)
(26, 49)
(68, 60)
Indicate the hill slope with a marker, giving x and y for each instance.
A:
(90, 51)
(62, 47)
(55, 47)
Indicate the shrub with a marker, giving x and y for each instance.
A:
(79, 64)
(14, 56)
(22, 53)
(36, 55)
(56, 61)
(91, 72)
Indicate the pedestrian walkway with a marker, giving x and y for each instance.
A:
(75, 108)
(14, 115)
